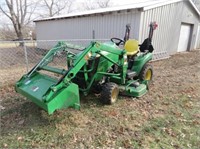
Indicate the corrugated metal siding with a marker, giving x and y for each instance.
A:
(198, 38)
(169, 18)
(166, 36)
(105, 26)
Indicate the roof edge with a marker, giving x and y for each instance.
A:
(161, 4)
(90, 12)
(194, 6)
(170, 2)
(155, 4)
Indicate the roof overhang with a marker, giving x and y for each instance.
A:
(143, 6)
(194, 6)
(91, 12)
(161, 4)
(170, 2)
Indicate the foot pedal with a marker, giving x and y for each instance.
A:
(135, 84)
(130, 74)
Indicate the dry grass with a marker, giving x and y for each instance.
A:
(167, 117)
(12, 44)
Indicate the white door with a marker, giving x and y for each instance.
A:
(184, 38)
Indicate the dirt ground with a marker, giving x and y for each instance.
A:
(167, 116)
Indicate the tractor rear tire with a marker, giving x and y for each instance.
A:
(109, 93)
(146, 73)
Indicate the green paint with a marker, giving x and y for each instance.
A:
(140, 61)
(52, 94)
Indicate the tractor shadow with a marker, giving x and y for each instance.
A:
(27, 115)
(24, 116)
(91, 100)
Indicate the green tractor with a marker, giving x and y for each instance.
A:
(100, 67)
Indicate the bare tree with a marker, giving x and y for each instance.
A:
(7, 33)
(55, 7)
(91, 4)
(104, 3)
(20, 13)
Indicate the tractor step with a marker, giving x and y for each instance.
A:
(133, 89)
(131, 74)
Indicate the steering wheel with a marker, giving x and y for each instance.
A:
(117, 41)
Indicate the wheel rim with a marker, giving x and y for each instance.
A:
(114, 95)
(148, 75)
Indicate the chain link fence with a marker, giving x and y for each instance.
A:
(17, 57)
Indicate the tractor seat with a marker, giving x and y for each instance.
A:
(131, 47)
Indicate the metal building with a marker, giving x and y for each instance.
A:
(178, 25)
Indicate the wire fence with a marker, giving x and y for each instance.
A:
(18, 57)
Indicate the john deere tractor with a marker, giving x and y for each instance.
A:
(100, 67)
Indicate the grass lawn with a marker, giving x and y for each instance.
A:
(168, 116)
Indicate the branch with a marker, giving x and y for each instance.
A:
(30, 14)
(59, 8)
(103, 3)
(4, 12)
(24, 11)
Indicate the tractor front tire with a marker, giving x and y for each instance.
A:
(109, 93)
(146, 73)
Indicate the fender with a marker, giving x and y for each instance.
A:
(140, 61)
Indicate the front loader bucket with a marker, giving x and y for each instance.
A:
(36, 86)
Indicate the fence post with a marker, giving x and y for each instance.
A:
(26, 56)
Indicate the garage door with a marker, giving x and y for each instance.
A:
(184, 38)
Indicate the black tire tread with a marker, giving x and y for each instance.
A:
(144, 70)
(106, 93)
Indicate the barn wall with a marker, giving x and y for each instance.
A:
(104, 26)
(197, 46)
(169, 19)
(190, 16)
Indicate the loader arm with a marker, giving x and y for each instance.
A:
(94, 48)
(61, 46)
(51, 94)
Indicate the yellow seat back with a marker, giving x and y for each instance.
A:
(131, 47)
